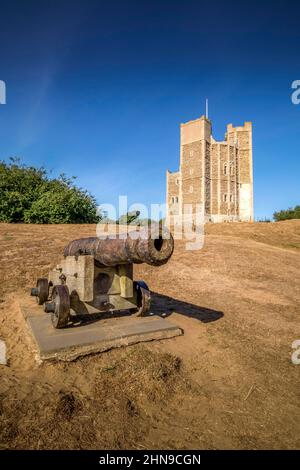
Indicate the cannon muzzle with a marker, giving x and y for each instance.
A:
(147, 248)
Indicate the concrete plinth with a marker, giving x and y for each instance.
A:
(77, 340)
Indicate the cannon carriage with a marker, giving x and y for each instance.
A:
(96, 275)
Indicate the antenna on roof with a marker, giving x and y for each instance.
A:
(206, 108)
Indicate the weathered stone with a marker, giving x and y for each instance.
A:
(69, 343)
(215, 175)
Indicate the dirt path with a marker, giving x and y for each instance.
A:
(227, 383)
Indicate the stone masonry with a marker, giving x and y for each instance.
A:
(216, 177)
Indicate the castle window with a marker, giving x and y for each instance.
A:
(173, 200)
(191, 189)
(231, 169)
(231, 198)
(225, 168)
(225, 197)
(177, 182)
(176, 199)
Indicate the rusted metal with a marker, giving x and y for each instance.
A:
(40, 292)
(143, 299)
(96, 276)
(114, 251)
(59, 307)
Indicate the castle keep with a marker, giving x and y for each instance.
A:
(216, 176)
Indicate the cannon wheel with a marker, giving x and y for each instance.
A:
(61, 300)
(143, 297)
(41, 290)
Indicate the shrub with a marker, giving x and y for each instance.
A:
(291, 213)
(265, 220)
(28, 195)
(128, 218)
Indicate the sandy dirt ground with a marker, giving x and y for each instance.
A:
(228, 383)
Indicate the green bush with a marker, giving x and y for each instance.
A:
(128, 218)
(291, 213)
(265, 220)
(28, 195)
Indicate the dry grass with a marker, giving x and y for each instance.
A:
(124, 391)
(227, 383)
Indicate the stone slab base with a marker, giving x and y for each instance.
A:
(69, 343)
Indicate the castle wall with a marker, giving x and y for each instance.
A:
(172, 199)
(242, 137)
(194, 139)
(207, 178)
(223, 180)
(216, 176)
(192, 174)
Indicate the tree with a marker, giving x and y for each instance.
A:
(291, 213)
(27, 194)
(128, 218)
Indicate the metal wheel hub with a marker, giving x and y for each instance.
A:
(59, 307)
(41, 291)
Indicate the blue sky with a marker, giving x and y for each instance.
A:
(98, 89)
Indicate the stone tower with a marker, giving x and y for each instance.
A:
(216, 176)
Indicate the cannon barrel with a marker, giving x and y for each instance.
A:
(113, 251)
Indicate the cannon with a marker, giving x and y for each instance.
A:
(96, 275)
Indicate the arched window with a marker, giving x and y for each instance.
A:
(225, 197)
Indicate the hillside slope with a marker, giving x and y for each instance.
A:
(227, 383)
